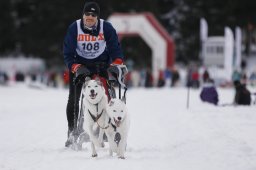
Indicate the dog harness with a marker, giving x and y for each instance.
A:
(117, 137)
(109, 122)
(95, 119)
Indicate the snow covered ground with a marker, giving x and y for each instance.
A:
(164, 134)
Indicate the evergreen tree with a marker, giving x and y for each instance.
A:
(37, 28)
(7, 28)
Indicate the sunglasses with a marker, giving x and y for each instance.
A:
(90, 13)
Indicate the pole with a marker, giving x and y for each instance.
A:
(188, 97)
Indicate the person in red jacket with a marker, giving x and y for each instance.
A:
(90, 47)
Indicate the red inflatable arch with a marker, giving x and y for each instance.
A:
(150, 30)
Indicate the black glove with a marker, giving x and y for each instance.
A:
(80, 75)
(114, 72)
(118, 73)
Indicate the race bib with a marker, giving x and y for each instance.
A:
(89, 46)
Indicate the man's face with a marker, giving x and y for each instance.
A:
(90, 19)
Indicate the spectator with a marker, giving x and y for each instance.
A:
(195, 79)
(206, 75)
(242, 95)
(135, 77)
(128, 80)
(148, 78)
(168, 77)
(243, 78)
(236, 76)
(3, 78)
(19, 77)
(175, 77)
(209, 93)
(143, 77)
(252, 78)
(161, 80)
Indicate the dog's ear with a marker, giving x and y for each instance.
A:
(99, 82)
(87, 79)
(83, 87)
(123, 100)
(111, 103)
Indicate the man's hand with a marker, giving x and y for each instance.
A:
(75, 67)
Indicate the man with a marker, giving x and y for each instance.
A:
(90, 47)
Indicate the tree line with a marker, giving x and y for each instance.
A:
(37, 28)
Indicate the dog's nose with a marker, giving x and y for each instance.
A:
(119, 118)
(92, 91)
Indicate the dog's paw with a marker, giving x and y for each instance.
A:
(94, 155)
(102, 144)
(121, 157)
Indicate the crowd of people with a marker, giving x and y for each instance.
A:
(50, 78)
(239, 81)
(143, 77)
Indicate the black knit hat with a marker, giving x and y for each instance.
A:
(91, 7)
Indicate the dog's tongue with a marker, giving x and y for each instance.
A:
(93, 95)
(117, 123)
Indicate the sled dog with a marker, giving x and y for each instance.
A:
(94, 111)
(118, 126)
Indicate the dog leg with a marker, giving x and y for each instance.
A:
(110, 152)
(101, 133)
(120, 153)
(121, 148)
(121, 157)
(110, 143)
(94, 154)
(96, 142)
(83, 138)
(93, 138)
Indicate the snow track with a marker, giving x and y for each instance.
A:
(163, 135)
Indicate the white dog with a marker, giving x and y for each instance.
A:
(119, 123)
(94, 105)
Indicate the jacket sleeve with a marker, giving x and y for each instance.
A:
(69, 45)
(113, 45)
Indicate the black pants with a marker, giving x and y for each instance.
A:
(74, 95)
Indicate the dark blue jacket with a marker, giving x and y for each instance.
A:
(209, 94)
(112, 51)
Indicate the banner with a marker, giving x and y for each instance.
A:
(203, 30)
(238, 51)
(228, 52)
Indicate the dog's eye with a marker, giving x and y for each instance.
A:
(96, 86)
(89, 86)
(122, 111)
(114, 110)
